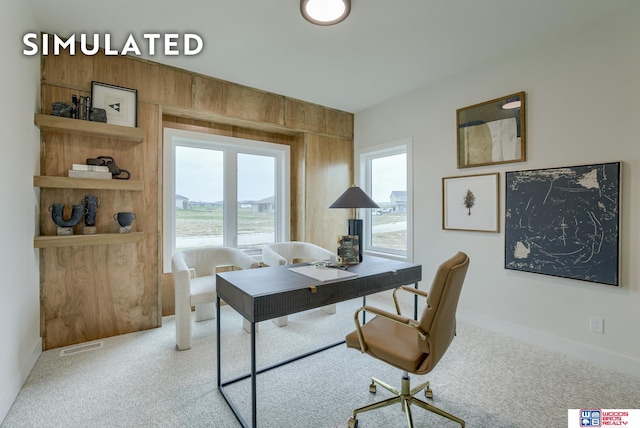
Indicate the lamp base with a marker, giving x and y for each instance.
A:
(354, 228)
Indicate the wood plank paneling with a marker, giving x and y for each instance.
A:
(233, 100)
(103, 290)
(318, 119)
(74, 71)
(298, 194)
(328, 173)
(90, 292)
(129, 73)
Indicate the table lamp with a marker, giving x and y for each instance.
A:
(354, 197)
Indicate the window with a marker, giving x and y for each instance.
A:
(385, 174)
(223, 191)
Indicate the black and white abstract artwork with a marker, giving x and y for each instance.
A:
(564, 222)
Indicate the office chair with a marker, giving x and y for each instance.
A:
(413, 346)
(194, 273)
(286, 253)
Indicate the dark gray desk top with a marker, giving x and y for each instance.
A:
(270, 292)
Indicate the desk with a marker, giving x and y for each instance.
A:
(266, 293)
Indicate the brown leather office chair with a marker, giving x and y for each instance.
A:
(413, 346)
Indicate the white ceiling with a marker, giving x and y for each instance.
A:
(385, 47)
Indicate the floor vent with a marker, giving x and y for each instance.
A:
(72, 350)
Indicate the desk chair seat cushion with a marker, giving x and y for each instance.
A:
(387, 341)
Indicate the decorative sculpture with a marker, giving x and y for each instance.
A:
(124, 220)
(65, 226)
(61, 109)
(90, 203)
(98, 115)
(110, 163)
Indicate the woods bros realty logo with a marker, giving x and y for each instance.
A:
(89, 44)
(604, 418)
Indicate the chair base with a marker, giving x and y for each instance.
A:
(404, 396)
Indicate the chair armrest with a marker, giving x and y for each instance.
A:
(412, 290)
(271, 258)
(384, 314)
(381, 312)
(245, 261)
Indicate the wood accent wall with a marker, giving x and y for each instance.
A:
(92, 292)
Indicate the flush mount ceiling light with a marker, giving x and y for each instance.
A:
(325, 12)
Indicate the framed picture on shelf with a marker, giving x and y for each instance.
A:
(492, 132)
(564, 222)
(471, 203)
(121, 104)
(348, 250)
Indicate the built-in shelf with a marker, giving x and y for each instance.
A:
(97, 239)
(54, 182)
(88, 128)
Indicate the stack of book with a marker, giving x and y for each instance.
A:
(81, 107)
(90, 171)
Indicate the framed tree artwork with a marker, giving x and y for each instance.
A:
(471, 203)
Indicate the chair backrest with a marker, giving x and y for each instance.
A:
(286, 252)
(438, 319)
(205, 260)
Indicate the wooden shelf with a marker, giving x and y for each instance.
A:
(97, 239)
(85, 127)
(54, 182)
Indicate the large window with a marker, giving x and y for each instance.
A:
(223, 191)
(385, 174)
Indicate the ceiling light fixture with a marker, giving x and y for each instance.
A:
(325, 12)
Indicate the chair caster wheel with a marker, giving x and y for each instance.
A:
(372, 388)
(428, 393)
(353, 423)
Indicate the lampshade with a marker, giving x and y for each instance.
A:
(325, 12)
(354, 197)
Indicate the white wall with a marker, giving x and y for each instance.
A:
(583, 92)
(20, 143)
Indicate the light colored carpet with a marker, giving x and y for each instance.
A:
(140, 380)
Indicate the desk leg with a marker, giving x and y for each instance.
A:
(415, 303)
(254, 412)
(218, 354)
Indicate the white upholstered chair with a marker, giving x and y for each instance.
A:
(194, 273)
(284, 253)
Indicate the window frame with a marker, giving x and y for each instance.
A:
(364, 156)
(231, 147)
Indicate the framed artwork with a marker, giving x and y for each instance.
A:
(471, 203)
(564, 222)
(121, 104)
(492, 132)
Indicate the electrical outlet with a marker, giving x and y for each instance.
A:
(596, 324)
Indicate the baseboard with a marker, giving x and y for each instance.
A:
(15, 385)
(617, 362)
